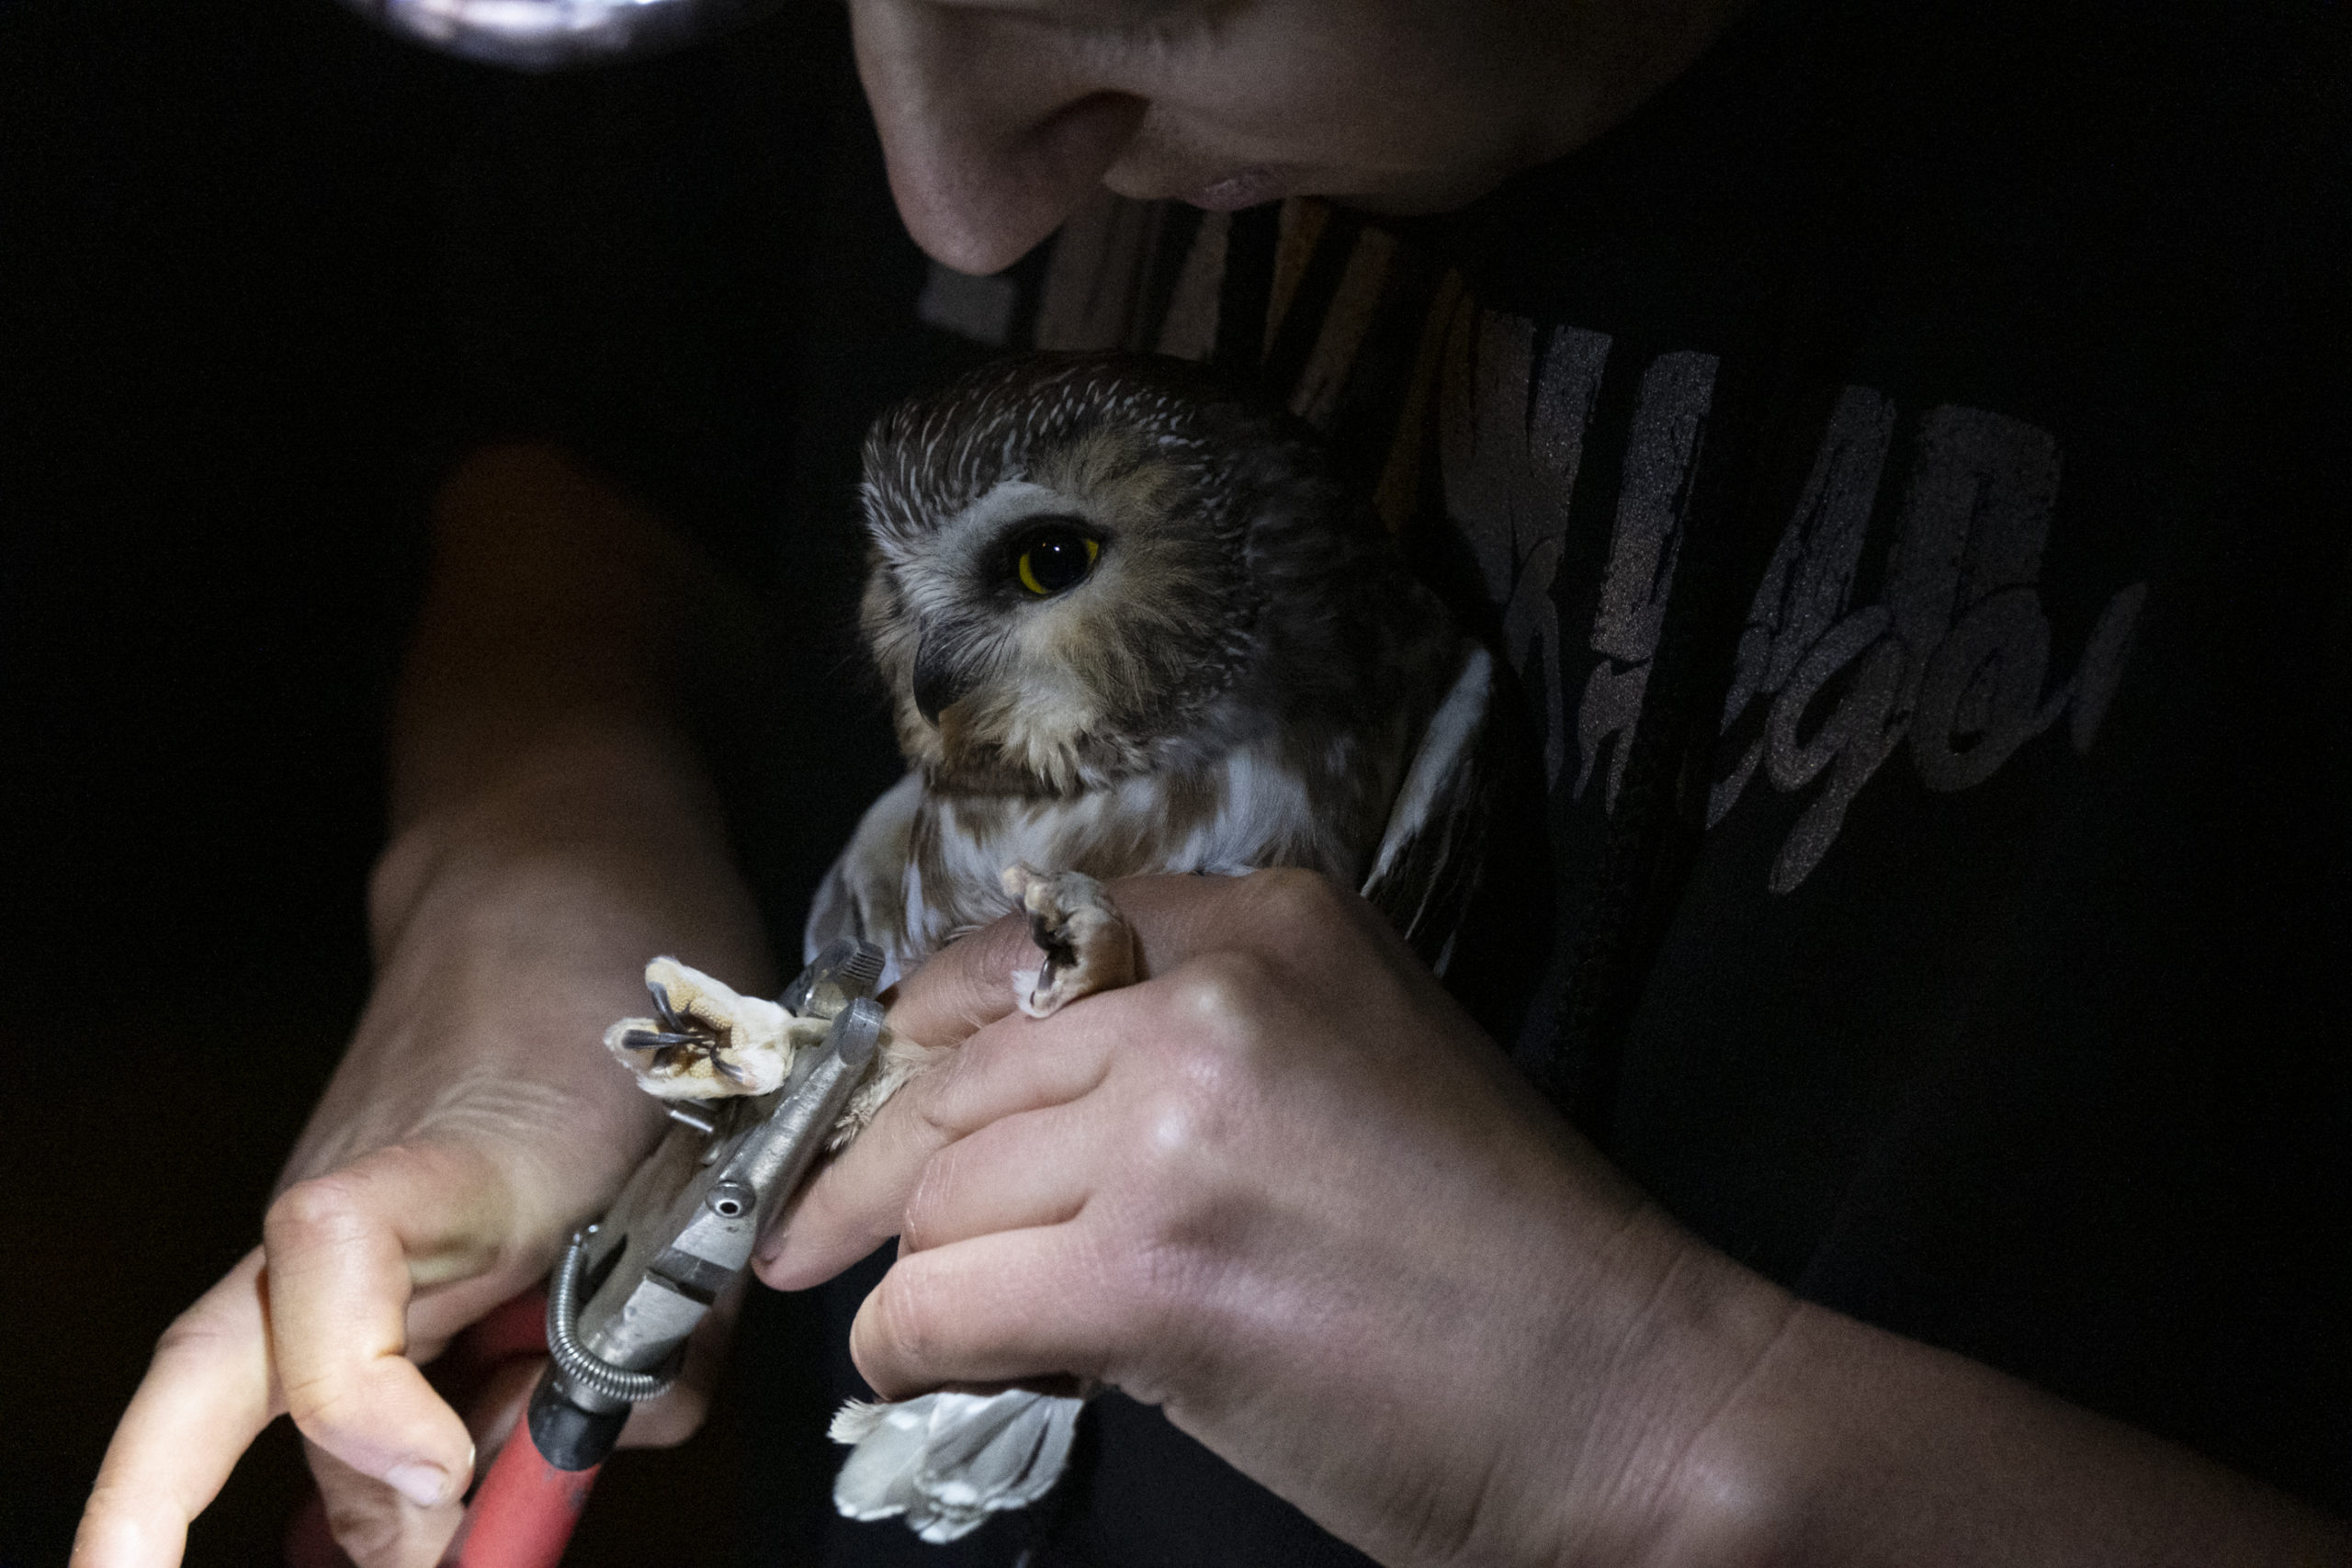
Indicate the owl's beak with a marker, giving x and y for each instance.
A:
(939, 681)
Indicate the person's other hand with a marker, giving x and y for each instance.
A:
(474, 1121)
(1284, 1190)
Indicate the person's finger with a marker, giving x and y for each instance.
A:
(1007, 1062)
(1033, 1169)
(376, 1527)
(999, 1308)
(964, 987)
(1014, 1065)
(1020, 1064)
(679, 1414)
(851, 1205)
(343, 1256)
(968, 985)
(205, 1396)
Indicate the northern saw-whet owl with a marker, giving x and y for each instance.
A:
(1129, 622)
(1132, 622)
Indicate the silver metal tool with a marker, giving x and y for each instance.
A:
(632, 1287)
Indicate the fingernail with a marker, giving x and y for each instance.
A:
(426, 1485)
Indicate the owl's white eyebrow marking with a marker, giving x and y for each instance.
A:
(1005, 501)
(935, 567)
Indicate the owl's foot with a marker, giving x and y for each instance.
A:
(1088, 945)
(947, 1461)
(710, 1041)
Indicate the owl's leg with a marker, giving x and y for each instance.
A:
(1088, 944)
(897, 1060)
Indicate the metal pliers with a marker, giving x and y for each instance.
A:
(630, 1288)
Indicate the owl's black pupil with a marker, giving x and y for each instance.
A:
(1054, 560)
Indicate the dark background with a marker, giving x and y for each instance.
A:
(216, 253)
(221, 391)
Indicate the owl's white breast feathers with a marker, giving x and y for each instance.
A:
(925, 865)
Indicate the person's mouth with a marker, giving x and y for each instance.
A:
(1247, 188)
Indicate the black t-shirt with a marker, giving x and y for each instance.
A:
(1901, 468)
(1907, 451)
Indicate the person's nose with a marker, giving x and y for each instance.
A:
(991, 130)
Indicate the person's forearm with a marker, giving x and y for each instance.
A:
(1848, 1445)
(552, 831)
(560, 614)
(539, 733)
(553, 827)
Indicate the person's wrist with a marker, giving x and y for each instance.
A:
(510, 927)
(1729, 1474)
(595, 801)
(1673, 1333)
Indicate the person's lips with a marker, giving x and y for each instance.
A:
(1232, 192)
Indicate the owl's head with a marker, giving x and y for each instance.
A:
(1072, 556)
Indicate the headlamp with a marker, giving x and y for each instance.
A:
(550, 34)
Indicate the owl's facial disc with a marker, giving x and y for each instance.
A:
(1050, 631)
(1039, 559)
(985, 632)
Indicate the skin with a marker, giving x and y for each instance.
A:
(551, 832)
(1480, 1345)
(997, 119)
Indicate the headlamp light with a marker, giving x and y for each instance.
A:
(550, 34)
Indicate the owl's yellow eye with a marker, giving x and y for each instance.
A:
(1049, 560)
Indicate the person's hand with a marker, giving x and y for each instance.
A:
(474, 1121)
(1283, 1188)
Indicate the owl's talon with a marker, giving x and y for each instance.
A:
(1050, 931)
(1088, 944)
(654, 1038)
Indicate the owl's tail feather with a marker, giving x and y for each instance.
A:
(948, 1461)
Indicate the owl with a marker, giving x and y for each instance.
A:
(1128, 621)
(1131, 621)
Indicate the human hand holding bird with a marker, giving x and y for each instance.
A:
(1283, 1188)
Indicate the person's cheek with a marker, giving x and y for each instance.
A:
(993, 130)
